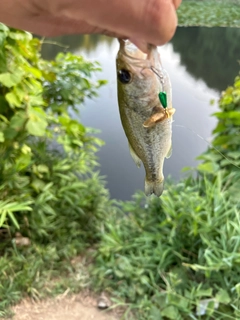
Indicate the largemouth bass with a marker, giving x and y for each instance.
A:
(146, 119)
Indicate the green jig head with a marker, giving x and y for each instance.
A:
(163, 98)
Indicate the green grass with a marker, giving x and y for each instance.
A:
(38, 271)
(210, 13)
(168, 255)
(46, 267)
(159, 258)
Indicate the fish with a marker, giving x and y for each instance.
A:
(142, 86)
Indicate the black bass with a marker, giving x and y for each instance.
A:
(145, 105)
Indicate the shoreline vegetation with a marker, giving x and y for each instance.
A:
(209, 13)
(176, 257)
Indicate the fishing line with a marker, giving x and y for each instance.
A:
(209, 144)
(160, 76)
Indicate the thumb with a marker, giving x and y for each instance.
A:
(152, 21)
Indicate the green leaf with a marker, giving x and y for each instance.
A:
(186, 169)
(20, 35)
(9, 79)
(35, 100)
(234, 154)
(4, 28)
(237, 287)
(37, 123)
(3, 215)
(208, 167)
(17, 121)
(144, 280)
(42, 168)
(102, 82)
(34, 71)
(2, 39)
(23, 161)
(234, 115)
(179, 301)
(119, 273)
(38, 185)
(16, 125)
(211, 306)
(237, 83)
(170, 312)
(2, 139)
(13, 99)
(223, 297)
(155, 313)
(7, 208)
(36, 127)
(204, 293)
(12, 217)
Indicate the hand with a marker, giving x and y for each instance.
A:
(141, 21)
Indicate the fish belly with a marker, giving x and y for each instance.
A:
(150, 145)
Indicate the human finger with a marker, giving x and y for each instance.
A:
(177, 3)
(152, 21)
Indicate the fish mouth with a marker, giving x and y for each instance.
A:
(136, 59)
(131, 51)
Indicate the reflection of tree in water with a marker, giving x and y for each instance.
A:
(209, 53)
(72, 43)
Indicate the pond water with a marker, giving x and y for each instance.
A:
(201, 62)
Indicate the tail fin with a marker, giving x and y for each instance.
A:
(155, 187)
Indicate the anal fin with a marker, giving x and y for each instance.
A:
(136, 159)
(169, 152)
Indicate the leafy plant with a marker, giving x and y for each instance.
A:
(167, 256)
(225, 151)
(42, 149)
(48, 188)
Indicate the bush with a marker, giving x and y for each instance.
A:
(48, 188)
(224, 154)
(45, 154)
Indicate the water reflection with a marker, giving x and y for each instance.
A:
(191, 96)
(210, 54)
(52, 46)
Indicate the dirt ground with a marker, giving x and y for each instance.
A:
(76, 307)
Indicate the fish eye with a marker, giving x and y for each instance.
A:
(124, 76)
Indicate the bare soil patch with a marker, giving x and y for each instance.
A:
(75, 307)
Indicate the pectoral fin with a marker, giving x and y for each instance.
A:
(136, 159)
